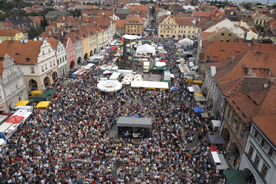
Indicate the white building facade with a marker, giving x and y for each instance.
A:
(12, 83)
(259, 157)
(61, 59)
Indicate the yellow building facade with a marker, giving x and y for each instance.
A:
(134, 25)
(85, 47)
(173, 26)
(11, 34)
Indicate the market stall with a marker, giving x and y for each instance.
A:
(43, 104)
(22, 103)
(109, 86)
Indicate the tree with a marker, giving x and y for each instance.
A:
(35, 32)
(259, 27)
(153, 10)
(44, 23)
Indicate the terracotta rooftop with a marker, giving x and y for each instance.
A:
(53, 42)
(267, 124)
(9, 32)
(120, 23)
(207, 34)
(21, 51)
(65, 19)
(136, 17)
(219, 51)
(107, 12)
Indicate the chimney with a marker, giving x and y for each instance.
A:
(271, 80)
(35, 39)
(40, 38)
(25, 41)
(233, 59)
(249, 71)
(49, 33)
(63, 17)
(208, 57)
(269, 71)
(62, 33)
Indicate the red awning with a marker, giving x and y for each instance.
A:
(213, 148)
(164, 60)
(123, 39)
(113, 48)
(14, 119)
(161, 54)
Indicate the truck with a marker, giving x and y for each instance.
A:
(146, 67)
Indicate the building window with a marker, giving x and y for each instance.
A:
(250, 152)
(46, 66)
(237, 126)
(262, 142)
(58, 61)
(230, 34)
(42, 68)
(270, 152)
(50, 63)
(257, 160)
(233, 117)
(228, 113)
(222, 34)
(259, 137)
(256, 133)
(264, 170)
(54, 63)
(32, 70)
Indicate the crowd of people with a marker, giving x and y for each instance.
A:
(69, 142)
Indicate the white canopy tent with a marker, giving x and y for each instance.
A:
(146, 49)
(109, 86)
(114, 76)
(160, 64)
(186, 42)
(216, 123)
(149, 84)
(131, 37)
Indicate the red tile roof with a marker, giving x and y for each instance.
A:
(267, 124)
(53, 42)
(219, 51)
(136, 17)
(21, 51)
(120, 23)
(9, 32)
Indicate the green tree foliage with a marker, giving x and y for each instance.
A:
(153, 10)
(76, 13)
(35, 32)
(259, 27)
(44, 23)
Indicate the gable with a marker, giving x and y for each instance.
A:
(169, 20)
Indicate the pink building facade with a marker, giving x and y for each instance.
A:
(70, 51)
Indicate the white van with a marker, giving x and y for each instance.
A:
(26, 108)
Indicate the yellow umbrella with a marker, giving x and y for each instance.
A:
(22, 102)
(43, 104)
(199, 94)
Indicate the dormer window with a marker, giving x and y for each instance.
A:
(1, 58)
(17, 54)
(28, 59)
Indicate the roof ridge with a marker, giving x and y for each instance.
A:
(270, 89)
(234, 68)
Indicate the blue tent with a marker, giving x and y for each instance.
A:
(135, 116)
(159, 44)
(73, 76)
(198, 109)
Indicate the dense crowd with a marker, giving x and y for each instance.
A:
(69, 141)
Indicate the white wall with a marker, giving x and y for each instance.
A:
(227, 24)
